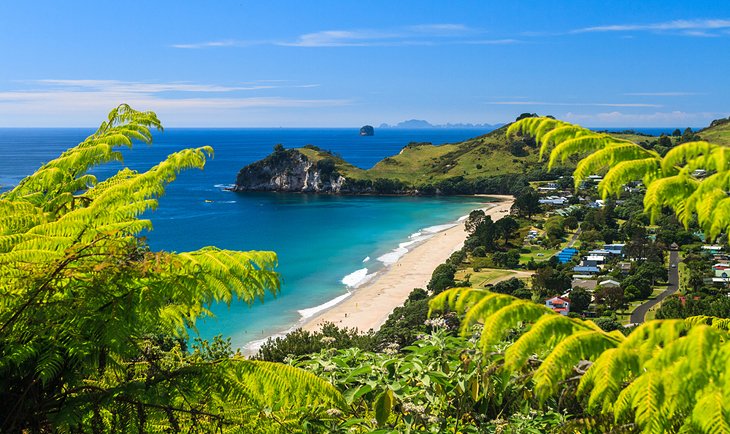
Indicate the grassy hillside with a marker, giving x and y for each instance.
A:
(313, 153)
(718, 133)
(419, 163)
(490, 163)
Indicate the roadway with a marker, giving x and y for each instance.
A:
(637, 316)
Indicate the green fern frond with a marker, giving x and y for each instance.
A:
(686, 152)
(543, 336)
(624, 172)
(611, 154)
(508, 317)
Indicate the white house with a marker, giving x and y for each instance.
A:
(610, 283)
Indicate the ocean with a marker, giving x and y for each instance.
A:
(327, 245)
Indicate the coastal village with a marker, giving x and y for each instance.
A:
(596, 269)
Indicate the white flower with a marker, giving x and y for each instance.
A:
(436, 323)
(334, 412)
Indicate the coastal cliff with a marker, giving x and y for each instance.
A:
(292, 171)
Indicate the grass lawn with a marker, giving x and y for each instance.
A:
(483, 276)
(538, 254)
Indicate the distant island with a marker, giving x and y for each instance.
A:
(367, 130)
(419, 123)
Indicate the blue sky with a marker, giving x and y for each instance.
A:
(349, 63)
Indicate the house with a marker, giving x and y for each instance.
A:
(554, 200)
(531, 235)
(587, 284)
(595, 259)
(597, 204)
(559, 305)
(699, 173)
(599, 252)
(712, 249)
(566, 255)
(549, 187)
(721, 270)
(609, 283)
(595, 178)
(615, 249)
(624, 267)
(586, 270)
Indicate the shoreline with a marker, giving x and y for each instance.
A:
(368, 306)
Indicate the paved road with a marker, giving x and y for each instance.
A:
(637, 316)
(573, 239)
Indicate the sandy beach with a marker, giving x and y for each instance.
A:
(369, 306)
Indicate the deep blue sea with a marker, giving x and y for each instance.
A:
(320, 240)
(327, 245)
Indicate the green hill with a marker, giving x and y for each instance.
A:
(422, 163)
(492, 163)
(718, 132)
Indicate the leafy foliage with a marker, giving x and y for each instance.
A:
(675, 180)
(92, 320)
(634, 378)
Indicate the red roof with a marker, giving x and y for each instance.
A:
(559, 299)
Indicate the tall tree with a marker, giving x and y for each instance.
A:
(527, 202)
(507, 226)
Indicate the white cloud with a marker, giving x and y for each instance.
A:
(572, 104)
(657, 119)
(222, 43)
(420, 34)
(344, 38)
(685, 27)
(493, 42)
(662, 94)
(84, 100)
(137, 87)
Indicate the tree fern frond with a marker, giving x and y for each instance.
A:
(581, 345)
(507, 318)
(625, 172)
(711, 414)
(578, 146)
(547, 332)
(610, 154)
(685, 152)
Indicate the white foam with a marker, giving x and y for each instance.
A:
(353, 279)
(462, 218)
(367, 258)
(415, 234)
(310, 312)
(439, 228)
(253, 347)
(393, 256)
(224, 186)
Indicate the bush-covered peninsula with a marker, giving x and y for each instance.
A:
(492, 163)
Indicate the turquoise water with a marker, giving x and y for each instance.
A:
(319, 239)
